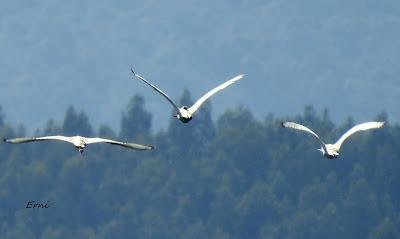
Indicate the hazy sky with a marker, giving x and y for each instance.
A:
(336, 54)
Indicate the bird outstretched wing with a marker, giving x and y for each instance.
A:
(157, 89)
(123, 144)
(303, 128)
(359, 127)
(300, 127)
(200, 101)
(26, 140)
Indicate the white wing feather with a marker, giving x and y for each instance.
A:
(360, 127)
(302, 128)
(26, 140)
(123, 144)
(157, 89)
(200, 101)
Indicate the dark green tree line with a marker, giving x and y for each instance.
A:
(237, 177)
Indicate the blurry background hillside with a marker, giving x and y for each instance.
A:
(238, 177)
(232, 172)
(337, 54)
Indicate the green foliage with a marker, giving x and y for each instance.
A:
(238, 178)
(76, 124)
(136, 121)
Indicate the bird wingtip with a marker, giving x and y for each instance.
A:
(379, 124)
(4, 139)
(283, 124)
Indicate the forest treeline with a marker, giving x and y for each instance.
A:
(235, 177)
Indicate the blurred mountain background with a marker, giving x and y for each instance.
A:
(232, 172)
(332, 54)
(238, 177)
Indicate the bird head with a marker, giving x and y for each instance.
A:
(330, 154)
(335, 155)
(80, 148)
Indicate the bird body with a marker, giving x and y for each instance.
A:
(79, 142)
(185, 113)
(331, 151)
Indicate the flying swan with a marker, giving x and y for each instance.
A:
(79, 142)
(332, 150)
(185, 113)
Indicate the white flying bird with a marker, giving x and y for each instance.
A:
(79, 142)
(332, 150)
(185, 113)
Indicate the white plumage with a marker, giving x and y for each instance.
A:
(332, 150)
(185, 113)
(79, 142)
